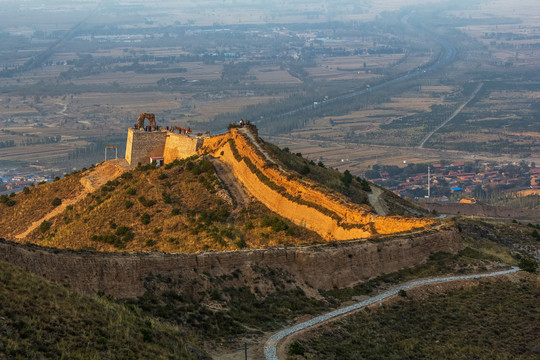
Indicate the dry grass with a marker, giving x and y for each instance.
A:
(173, 210)
(44, 320)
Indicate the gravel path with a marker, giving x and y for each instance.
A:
(270, 346)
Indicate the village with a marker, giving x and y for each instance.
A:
(459, 181)
(14, 181)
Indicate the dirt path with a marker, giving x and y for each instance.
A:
(234, 188)
(94, 180)
(57, 210)
(375, 200)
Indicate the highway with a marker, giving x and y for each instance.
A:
(270, 352)
(448, 54)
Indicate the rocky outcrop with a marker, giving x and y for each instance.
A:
(322, 267)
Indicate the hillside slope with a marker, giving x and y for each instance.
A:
(182, 207)
(43, 320)
(241, 192)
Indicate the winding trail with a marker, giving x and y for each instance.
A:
(270, 352)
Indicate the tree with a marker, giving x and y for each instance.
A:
(347, 178)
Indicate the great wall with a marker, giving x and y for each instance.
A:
(317, 267)
(377, 244)
(304, 203)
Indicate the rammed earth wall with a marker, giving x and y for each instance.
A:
(323, 267)
(329, 214)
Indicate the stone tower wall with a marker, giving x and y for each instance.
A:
(140, 145)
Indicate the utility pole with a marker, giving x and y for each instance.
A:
(428, 185)
(245, 348)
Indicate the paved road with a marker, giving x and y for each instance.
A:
(454, 114)
(448, 54)
(270, 346)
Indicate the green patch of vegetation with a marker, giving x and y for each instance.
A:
(146, 202)
(118, 239)
(274, 222)
(44, 226)
(6, 200)
(528, 265)
(61, 324)
(491, 321)
(145, 218)
(128, 204)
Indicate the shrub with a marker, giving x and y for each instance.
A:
(162, 176)
(364, 184)
(131, 191)
(240, 243)
(145, 218)
(528, 265)
(175, 211)
(4, 199)
(227, 232)
(166, 198)
(26, 190)
(296, 349)
(347, 178)
(128, 204)
(127, 175)
(56, 201)
(275, 223)
(44, 226)
(146, 202)
(304, 170)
